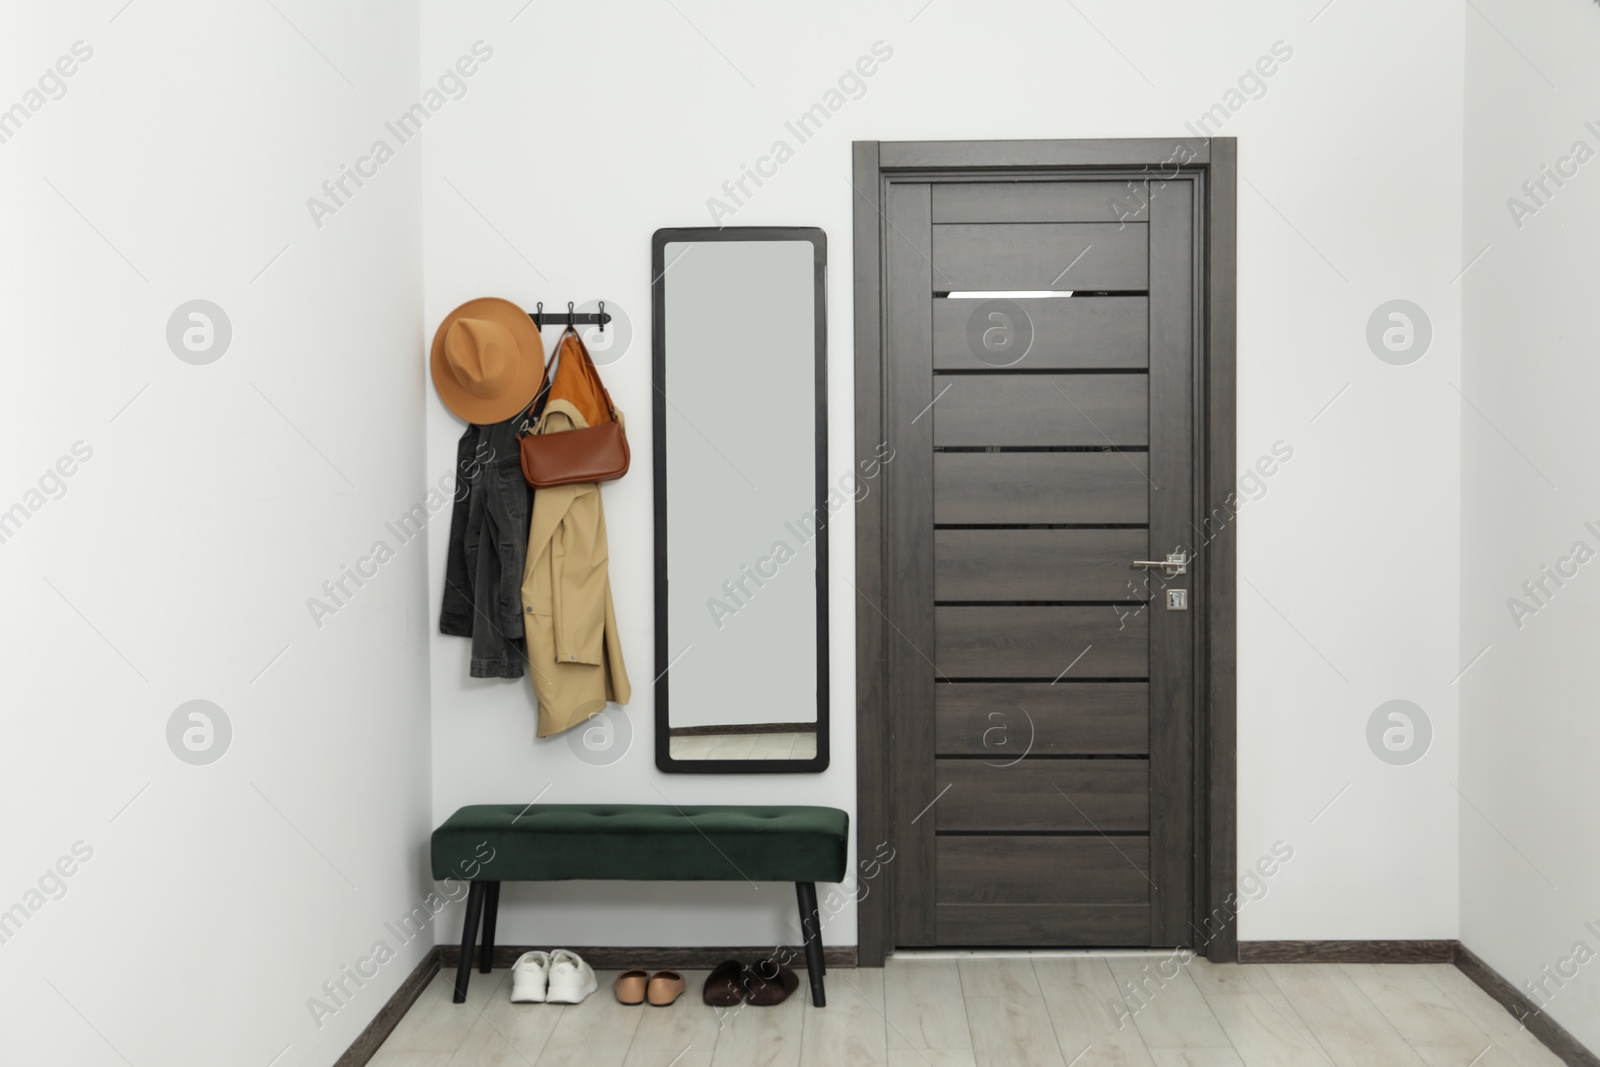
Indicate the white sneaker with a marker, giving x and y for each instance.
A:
(530, 976)
(571, 980)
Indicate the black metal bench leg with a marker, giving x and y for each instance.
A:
(811, 927)
(469, 935)
(491, 912)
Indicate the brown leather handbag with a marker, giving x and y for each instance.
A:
(594, 453)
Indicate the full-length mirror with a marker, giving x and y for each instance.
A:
(740, 404)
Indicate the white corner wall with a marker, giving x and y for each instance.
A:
(1348, 550)
(1530, 875)
(206, 904)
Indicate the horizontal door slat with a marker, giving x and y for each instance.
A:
(1042, 870)
(1042, 410)
(1040, 487)
(1081, 332)
(1040, 642)
(1039, 564)
(1031, 925)
(1033, 202)
(1043, 795)
(1005, 720)
(1032, 256)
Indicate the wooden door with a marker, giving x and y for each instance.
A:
(1041, 692)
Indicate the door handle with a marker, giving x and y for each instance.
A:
(1175, 564)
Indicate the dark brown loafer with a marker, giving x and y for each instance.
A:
(770, 983)
(725, 986)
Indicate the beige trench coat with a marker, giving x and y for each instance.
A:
(574, 652)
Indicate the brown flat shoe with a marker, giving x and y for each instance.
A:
(665, 987)
(725, 985)
(630, 986)
(771, 983)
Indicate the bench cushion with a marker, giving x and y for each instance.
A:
(642, 842)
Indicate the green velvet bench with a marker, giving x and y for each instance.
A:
(494, 843)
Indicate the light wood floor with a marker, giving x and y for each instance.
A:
(998, 1012)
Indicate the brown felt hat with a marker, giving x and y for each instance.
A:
(488, 359)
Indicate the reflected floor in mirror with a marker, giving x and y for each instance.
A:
(793, 745)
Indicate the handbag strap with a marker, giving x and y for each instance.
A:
(535, 409)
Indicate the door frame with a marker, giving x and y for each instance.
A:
(1213, 164)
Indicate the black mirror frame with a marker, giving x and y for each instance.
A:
(663, 659)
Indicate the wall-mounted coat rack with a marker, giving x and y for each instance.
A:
(571, 318)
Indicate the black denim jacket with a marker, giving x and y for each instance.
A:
(488, 541)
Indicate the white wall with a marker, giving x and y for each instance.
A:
(1349, 201)
(176, 562)
(1529, 874)
(218, 498)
